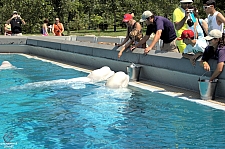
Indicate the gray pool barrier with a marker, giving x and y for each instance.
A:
(134, 72)
(207, 88)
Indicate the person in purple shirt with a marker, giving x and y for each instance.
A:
(163, 29)
(215, 50)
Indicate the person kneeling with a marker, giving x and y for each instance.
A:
(195, 47)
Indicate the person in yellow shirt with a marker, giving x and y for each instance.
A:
(180, 16)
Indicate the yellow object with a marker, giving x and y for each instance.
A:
(8, 27)
(181, 46)
(204, 63)
(178, 15)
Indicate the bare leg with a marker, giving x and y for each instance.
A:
(192, 57)
(198, 55)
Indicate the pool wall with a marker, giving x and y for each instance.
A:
(166, 68)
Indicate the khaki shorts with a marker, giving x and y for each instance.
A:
(170, 47)
(19, 34)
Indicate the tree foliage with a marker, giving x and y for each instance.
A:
(84, 14)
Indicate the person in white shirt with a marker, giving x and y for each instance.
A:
(194, 48)
(215, 19)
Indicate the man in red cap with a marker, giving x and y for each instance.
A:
(194, 48)
(134, 33)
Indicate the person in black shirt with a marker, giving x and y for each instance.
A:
(162, 28)
(16, 22)
(215, 50)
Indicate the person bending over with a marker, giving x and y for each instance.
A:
(134, 33)
(163, 29)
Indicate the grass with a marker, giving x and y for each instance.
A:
(109, 32)
(97, 32)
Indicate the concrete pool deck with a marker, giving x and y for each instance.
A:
(166, 71)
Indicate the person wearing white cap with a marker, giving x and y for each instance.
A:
(163, 29)
(16, 22)
(180, 16)
(215, 50)
(215, 19)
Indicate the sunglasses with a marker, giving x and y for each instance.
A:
(56, 20)
(205, 7)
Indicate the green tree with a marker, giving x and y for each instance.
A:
(81, 14)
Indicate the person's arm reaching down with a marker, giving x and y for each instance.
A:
(155, 40)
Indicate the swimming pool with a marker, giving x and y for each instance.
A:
(43, 106)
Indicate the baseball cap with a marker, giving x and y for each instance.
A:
(186, 34)
(127, 17)
(146, 15)
(14, 12)
(186, 1)
(214, 34)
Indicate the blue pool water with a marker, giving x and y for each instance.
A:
(42, 106)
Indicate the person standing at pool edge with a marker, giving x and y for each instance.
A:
(180, 16)
(199, 26)
(57, 28)
(215, 19)
(45, 28)
(215, 50)
(16, 22)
